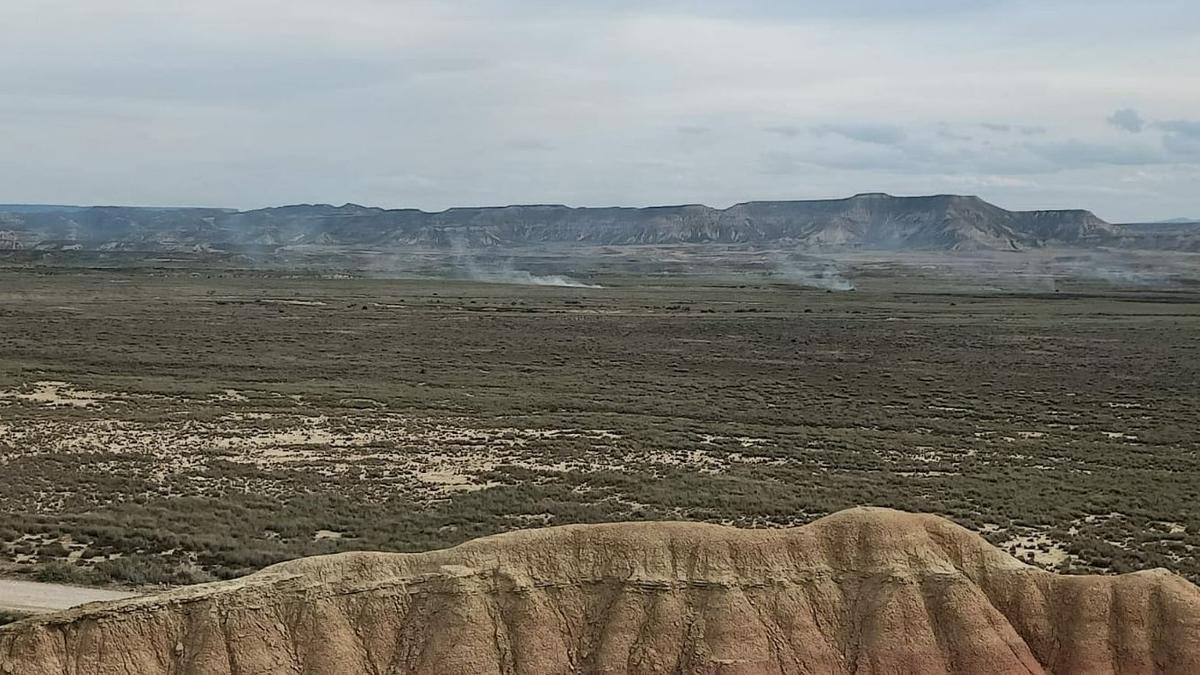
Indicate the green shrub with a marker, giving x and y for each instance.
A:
(59, 572)
(53, 550)
(144, 570)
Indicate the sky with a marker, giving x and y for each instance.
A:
(397, 103)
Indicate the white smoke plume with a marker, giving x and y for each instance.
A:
(811, 273)
(505, 273)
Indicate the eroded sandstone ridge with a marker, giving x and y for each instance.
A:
(862, 591)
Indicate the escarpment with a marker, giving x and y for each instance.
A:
(862, 591)
(869, 221)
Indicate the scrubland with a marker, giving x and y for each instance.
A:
(170, 426)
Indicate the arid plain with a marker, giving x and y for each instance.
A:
(180, 423)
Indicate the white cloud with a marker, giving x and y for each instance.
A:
(433, 104)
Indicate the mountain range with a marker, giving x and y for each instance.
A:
(870, 221)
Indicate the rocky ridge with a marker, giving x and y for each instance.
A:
(862, 591)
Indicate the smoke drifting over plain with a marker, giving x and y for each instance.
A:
(809, 272)
(504, 272)
(1056, 272)
(1118, 272)
(508, 275)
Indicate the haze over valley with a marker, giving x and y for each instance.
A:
(864, 221)
(656, 337)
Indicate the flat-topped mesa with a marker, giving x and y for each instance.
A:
(862, 591)
(864, 221)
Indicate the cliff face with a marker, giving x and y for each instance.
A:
(1176, 236)
(861, 591)
(870, 221)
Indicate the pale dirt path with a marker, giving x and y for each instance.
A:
(30, 597)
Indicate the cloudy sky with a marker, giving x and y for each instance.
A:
(246, 103)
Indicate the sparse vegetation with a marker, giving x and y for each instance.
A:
(202, 428)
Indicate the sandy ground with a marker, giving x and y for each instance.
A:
(30, 597)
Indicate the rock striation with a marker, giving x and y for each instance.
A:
(867, 591)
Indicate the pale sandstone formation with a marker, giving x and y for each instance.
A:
(862, 591)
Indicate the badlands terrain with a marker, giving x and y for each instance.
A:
(867, 220)
(861, 591)
(174, 419)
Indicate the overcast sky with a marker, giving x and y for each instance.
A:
(247, 103)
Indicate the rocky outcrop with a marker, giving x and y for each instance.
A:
(861, 591)
(1179, 235)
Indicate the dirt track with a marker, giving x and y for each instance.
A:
(30, 597)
